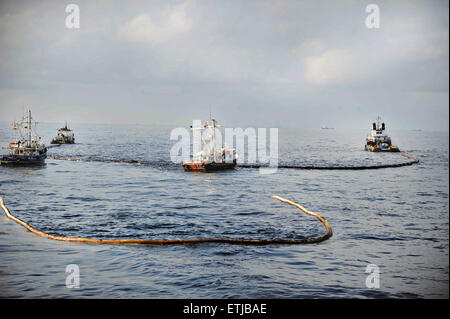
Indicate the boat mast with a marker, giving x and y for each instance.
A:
(214, 134)
(29, 127)
(214, 129)
(378, 122)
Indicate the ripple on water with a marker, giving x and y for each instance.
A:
(395, 218)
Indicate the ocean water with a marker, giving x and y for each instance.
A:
(395, 218)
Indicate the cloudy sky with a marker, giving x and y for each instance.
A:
(254, 63)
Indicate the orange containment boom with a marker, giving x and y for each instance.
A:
(181, 241)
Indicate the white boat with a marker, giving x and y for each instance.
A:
(27, 147)
(378, 141)
(64, 136)
(211, 157)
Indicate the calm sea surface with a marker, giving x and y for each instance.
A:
(396, 218)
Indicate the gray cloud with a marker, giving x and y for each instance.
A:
(293, 63)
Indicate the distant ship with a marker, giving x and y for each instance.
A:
(27, 147)
(378, 141)
(327, 128)
(211, 158)
(64, 136)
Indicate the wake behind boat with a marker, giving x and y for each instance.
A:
(27, 147)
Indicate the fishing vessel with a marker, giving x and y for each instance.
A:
(378, 141)
(211, 157)
(27, 147)
(64, 136)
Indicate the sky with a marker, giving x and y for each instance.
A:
(253, 63)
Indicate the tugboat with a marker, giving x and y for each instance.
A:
(27, 148)
(211, 157)
(378, 141)
(64, 136)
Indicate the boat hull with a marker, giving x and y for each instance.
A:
(376, 148)
(207, 167)
(62, 142)
(23, 159)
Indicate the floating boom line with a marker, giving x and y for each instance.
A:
(168, 242)
(413, 160)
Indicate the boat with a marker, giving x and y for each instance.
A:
(211, 157)
(27, 147)
(378, 141)
(327, 128)
(64, 136)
